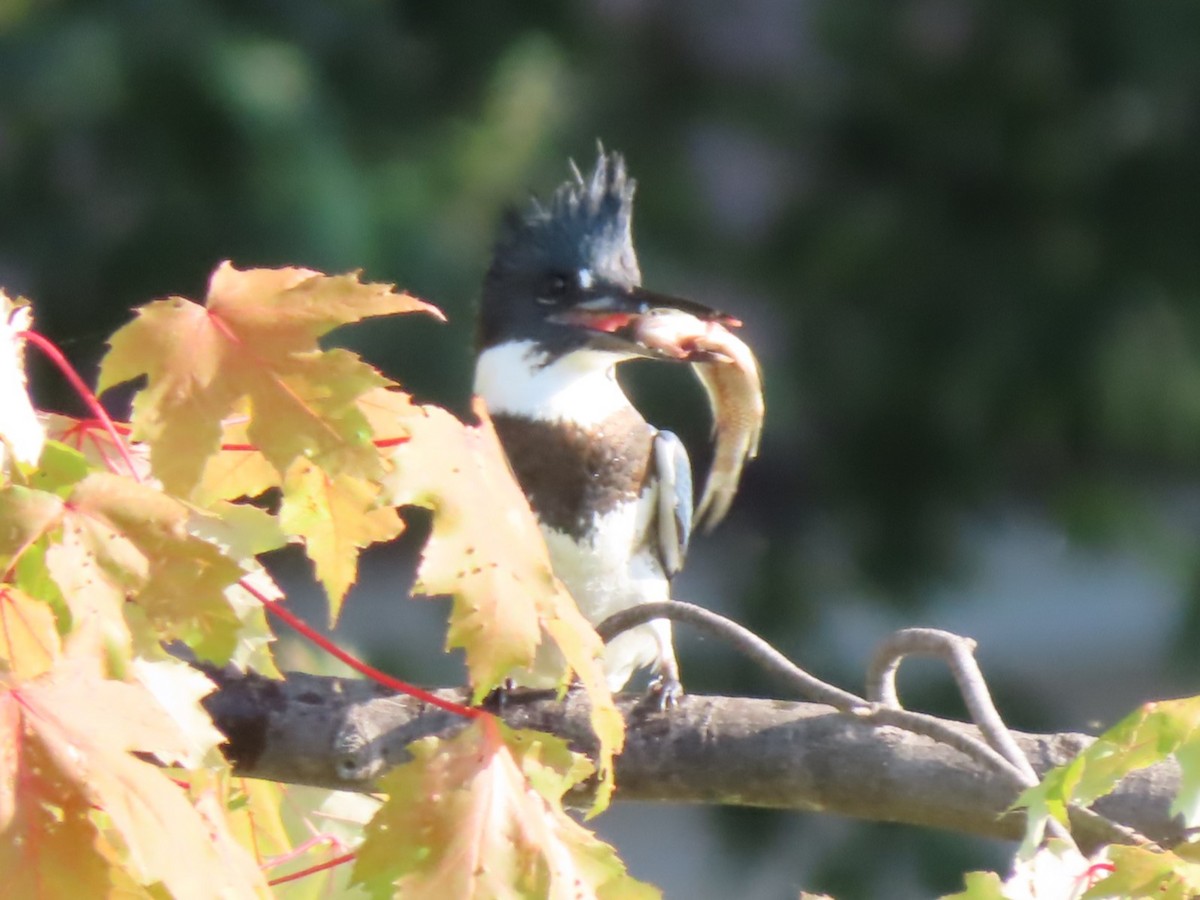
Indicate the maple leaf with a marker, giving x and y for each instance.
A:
(254, 814)
(29, 642)
(1151, 733)
(294, 828)
(177, 688)
(68, 739)
(27, 515)
(254, 639)
(112, 538)
(242, 532)
(238, 469)
(980, 886)
(487, 552)
(255, 343)
(485, 549)
(480, 816)
(237, 864)
(141, 538)
(336, 515)
(95, 448)
(48, 842)
(60, 468)
(1148, 872)
(53, 564)
(93, 592)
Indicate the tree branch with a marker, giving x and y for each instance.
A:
(343, 733)
(994, 747)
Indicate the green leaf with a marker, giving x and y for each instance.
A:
(1149, 735)
(59, 469)
(1143, 872)
(980, 886)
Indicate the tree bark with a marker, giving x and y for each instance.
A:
(343, 733)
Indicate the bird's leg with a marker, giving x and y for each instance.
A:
(497, 698)
(666, 685)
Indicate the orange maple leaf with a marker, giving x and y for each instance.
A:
(67, 741)
(48, 842)
(479, 816)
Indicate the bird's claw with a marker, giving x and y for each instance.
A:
(497, 698)
(665, 692)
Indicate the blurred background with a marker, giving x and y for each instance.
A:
(962, 235)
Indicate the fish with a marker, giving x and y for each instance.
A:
(727, 368)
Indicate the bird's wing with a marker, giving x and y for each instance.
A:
(674, 500)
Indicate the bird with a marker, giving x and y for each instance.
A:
(612, 494)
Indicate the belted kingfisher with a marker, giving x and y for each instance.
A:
(612, 494)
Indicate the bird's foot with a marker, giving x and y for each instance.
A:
(665, 692)
(497, 699)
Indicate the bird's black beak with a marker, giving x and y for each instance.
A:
(624, 319)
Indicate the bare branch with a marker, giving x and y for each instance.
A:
(884, 707)
(997, 749)
(849, 757)
(344, 733)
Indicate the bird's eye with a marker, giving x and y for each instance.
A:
(553, 290)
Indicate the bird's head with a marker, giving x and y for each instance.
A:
(565, 276)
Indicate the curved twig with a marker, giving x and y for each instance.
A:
(742, 639)
(958, 653)
(808, 685)
(996, 750)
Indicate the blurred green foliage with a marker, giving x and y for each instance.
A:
(963, 233)
(968, 228)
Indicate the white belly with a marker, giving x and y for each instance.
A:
(605, 577)
(603, 574)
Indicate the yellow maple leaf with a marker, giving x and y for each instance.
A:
(72, 574)
(29, 642)
(480, 816)
(243, 532)
(487, 552)
(28, 515)
(238, 469)
(178, 689)
(254, 342)
(141, 538)
(336, 515)
(111, 539)
(483, 550)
